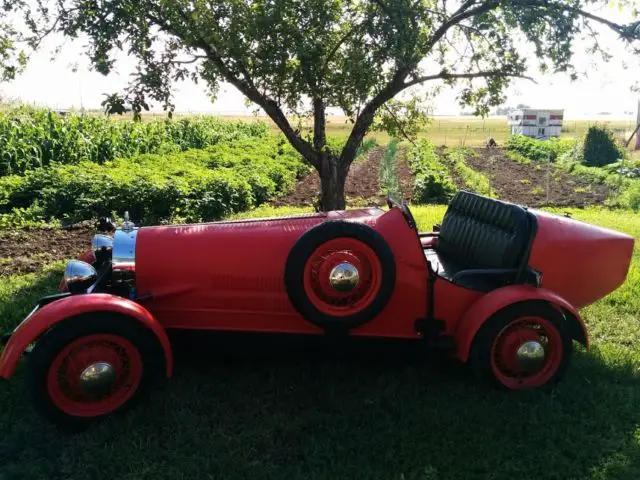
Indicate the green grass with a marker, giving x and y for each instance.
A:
(287, 416)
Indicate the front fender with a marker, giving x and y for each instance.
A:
(498, 299)
(53, 313)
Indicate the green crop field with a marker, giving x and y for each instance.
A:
(269, 412)
(469, 130)
(443, 130)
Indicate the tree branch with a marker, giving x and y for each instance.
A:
(366, 116)
(337, 46)
(622, 30)
(631, 137)
(187, 62)
(462, 14)
(399, 125)
(453, 76)
(271, 107)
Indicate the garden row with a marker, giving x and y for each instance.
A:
(32, 138)
(439, 173)
(596, 158)
(190, 186)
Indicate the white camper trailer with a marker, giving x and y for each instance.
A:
(536, 123)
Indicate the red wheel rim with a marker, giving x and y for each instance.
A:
(504, 352)
(317, 272)
(63, 379)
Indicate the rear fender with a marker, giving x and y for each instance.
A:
(498, 299)
(53, 313)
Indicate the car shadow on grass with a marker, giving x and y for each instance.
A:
(263, 408)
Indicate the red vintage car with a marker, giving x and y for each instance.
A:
(497, 284)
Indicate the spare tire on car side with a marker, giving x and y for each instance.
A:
(340, 275)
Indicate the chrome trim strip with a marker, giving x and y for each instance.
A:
(123, 260)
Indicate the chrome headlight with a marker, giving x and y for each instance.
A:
(79, 276)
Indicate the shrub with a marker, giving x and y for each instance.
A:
(538, 150)
(599, 147)
(590, 174)
(432, 182)
(196, 185)
(628, 196)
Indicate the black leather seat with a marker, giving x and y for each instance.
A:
(483, 243)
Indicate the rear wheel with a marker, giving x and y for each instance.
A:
(89, 367)
(524, 346)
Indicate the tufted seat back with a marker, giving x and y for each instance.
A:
(482, 233)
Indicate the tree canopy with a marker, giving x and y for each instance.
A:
(303, 56)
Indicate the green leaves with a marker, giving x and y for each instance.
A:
(196, 185)
(302, 58)
(536, 150)
(403, 119)
(432, 182)
(31, 138)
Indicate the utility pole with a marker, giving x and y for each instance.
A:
(635, 131)
(638, 127)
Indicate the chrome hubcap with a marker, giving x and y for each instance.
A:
(98, 378)
(530, 356)
(344, 277)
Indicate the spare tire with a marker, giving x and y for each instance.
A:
(340, 275)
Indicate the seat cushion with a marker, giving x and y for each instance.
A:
(481, 233)
(483, 282)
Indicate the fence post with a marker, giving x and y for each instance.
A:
(548, 176)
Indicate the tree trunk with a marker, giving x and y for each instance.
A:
(332, 179)
(638, 132)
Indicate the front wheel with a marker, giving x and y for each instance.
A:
(87, 368)
(524, 346)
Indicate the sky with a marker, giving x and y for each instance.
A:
(606, 87)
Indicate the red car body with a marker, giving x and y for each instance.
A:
(231, 276)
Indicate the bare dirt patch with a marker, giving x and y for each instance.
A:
(362, 187)
(527, 184)
(27, 251)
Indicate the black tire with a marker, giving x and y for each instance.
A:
(307, 245)
(480, 360)
(57, 338)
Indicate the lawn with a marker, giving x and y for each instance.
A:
(258, 410)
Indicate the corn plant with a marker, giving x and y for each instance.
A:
(32, 138)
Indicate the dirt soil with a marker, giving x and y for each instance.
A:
(527, 184)
(27, 251)
(363, 182)
(362, 186)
